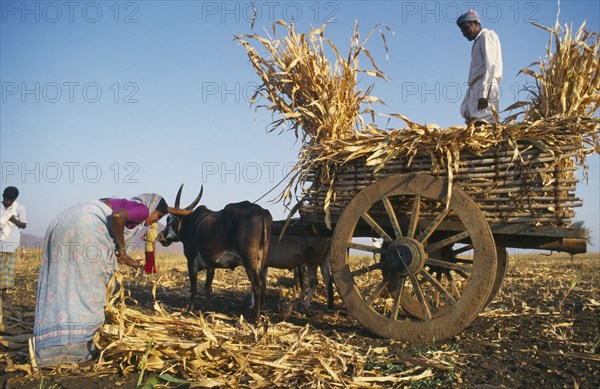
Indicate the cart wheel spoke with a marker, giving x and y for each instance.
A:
(423, 236)
(446, 242)
(464, 260)
(460, 269)
(453, 286)
(414, 217)
(380, 287)
(364, 247)
(392, 215)
(420, 296)
(397, 293)
(438, 277)
(438, 286)
(375, 226)
(463, 249)
(365, 269)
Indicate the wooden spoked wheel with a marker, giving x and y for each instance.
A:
(410, 289)
(501, 269)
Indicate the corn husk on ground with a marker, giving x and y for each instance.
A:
(549, 294)
(167, 347)
(559, 113)
(215, 350)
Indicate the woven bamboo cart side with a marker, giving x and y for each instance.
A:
(535, 187)
(440, 262)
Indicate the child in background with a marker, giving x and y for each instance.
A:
(150, 237)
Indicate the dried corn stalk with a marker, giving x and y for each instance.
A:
(568, 79)
(319, 101)
(308, 91)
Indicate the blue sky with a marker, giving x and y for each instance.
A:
(106, 98)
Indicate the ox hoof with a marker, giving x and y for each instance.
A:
(191, 307)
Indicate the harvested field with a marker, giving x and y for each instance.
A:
(543, 329)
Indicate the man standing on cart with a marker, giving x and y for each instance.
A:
(485, 71)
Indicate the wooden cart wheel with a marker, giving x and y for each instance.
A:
(406, 211)
(501, 269)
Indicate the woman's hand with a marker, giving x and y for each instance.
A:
(124, 259)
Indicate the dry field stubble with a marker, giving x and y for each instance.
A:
(543, 329)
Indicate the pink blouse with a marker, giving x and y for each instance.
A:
(136, 212)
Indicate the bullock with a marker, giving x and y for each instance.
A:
(236, 235)
(291, 252)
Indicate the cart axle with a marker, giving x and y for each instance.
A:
(404, 256)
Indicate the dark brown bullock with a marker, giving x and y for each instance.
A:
(236, 235)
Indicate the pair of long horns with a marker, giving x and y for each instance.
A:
(193, 204)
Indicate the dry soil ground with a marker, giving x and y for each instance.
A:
(542, 330)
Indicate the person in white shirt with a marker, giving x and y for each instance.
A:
(485, 71)
(12, 219)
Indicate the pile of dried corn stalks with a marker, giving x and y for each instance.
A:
(217, 350)
(306, 92)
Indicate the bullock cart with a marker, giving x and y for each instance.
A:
(443, 239)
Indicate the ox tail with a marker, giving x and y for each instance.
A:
(267, 221)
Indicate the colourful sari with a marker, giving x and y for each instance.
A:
(78, 261)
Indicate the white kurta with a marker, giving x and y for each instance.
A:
(485, 74)
(10, 234)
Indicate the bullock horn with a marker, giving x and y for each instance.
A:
(178, 197)
(197, 200)
(179, 212)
